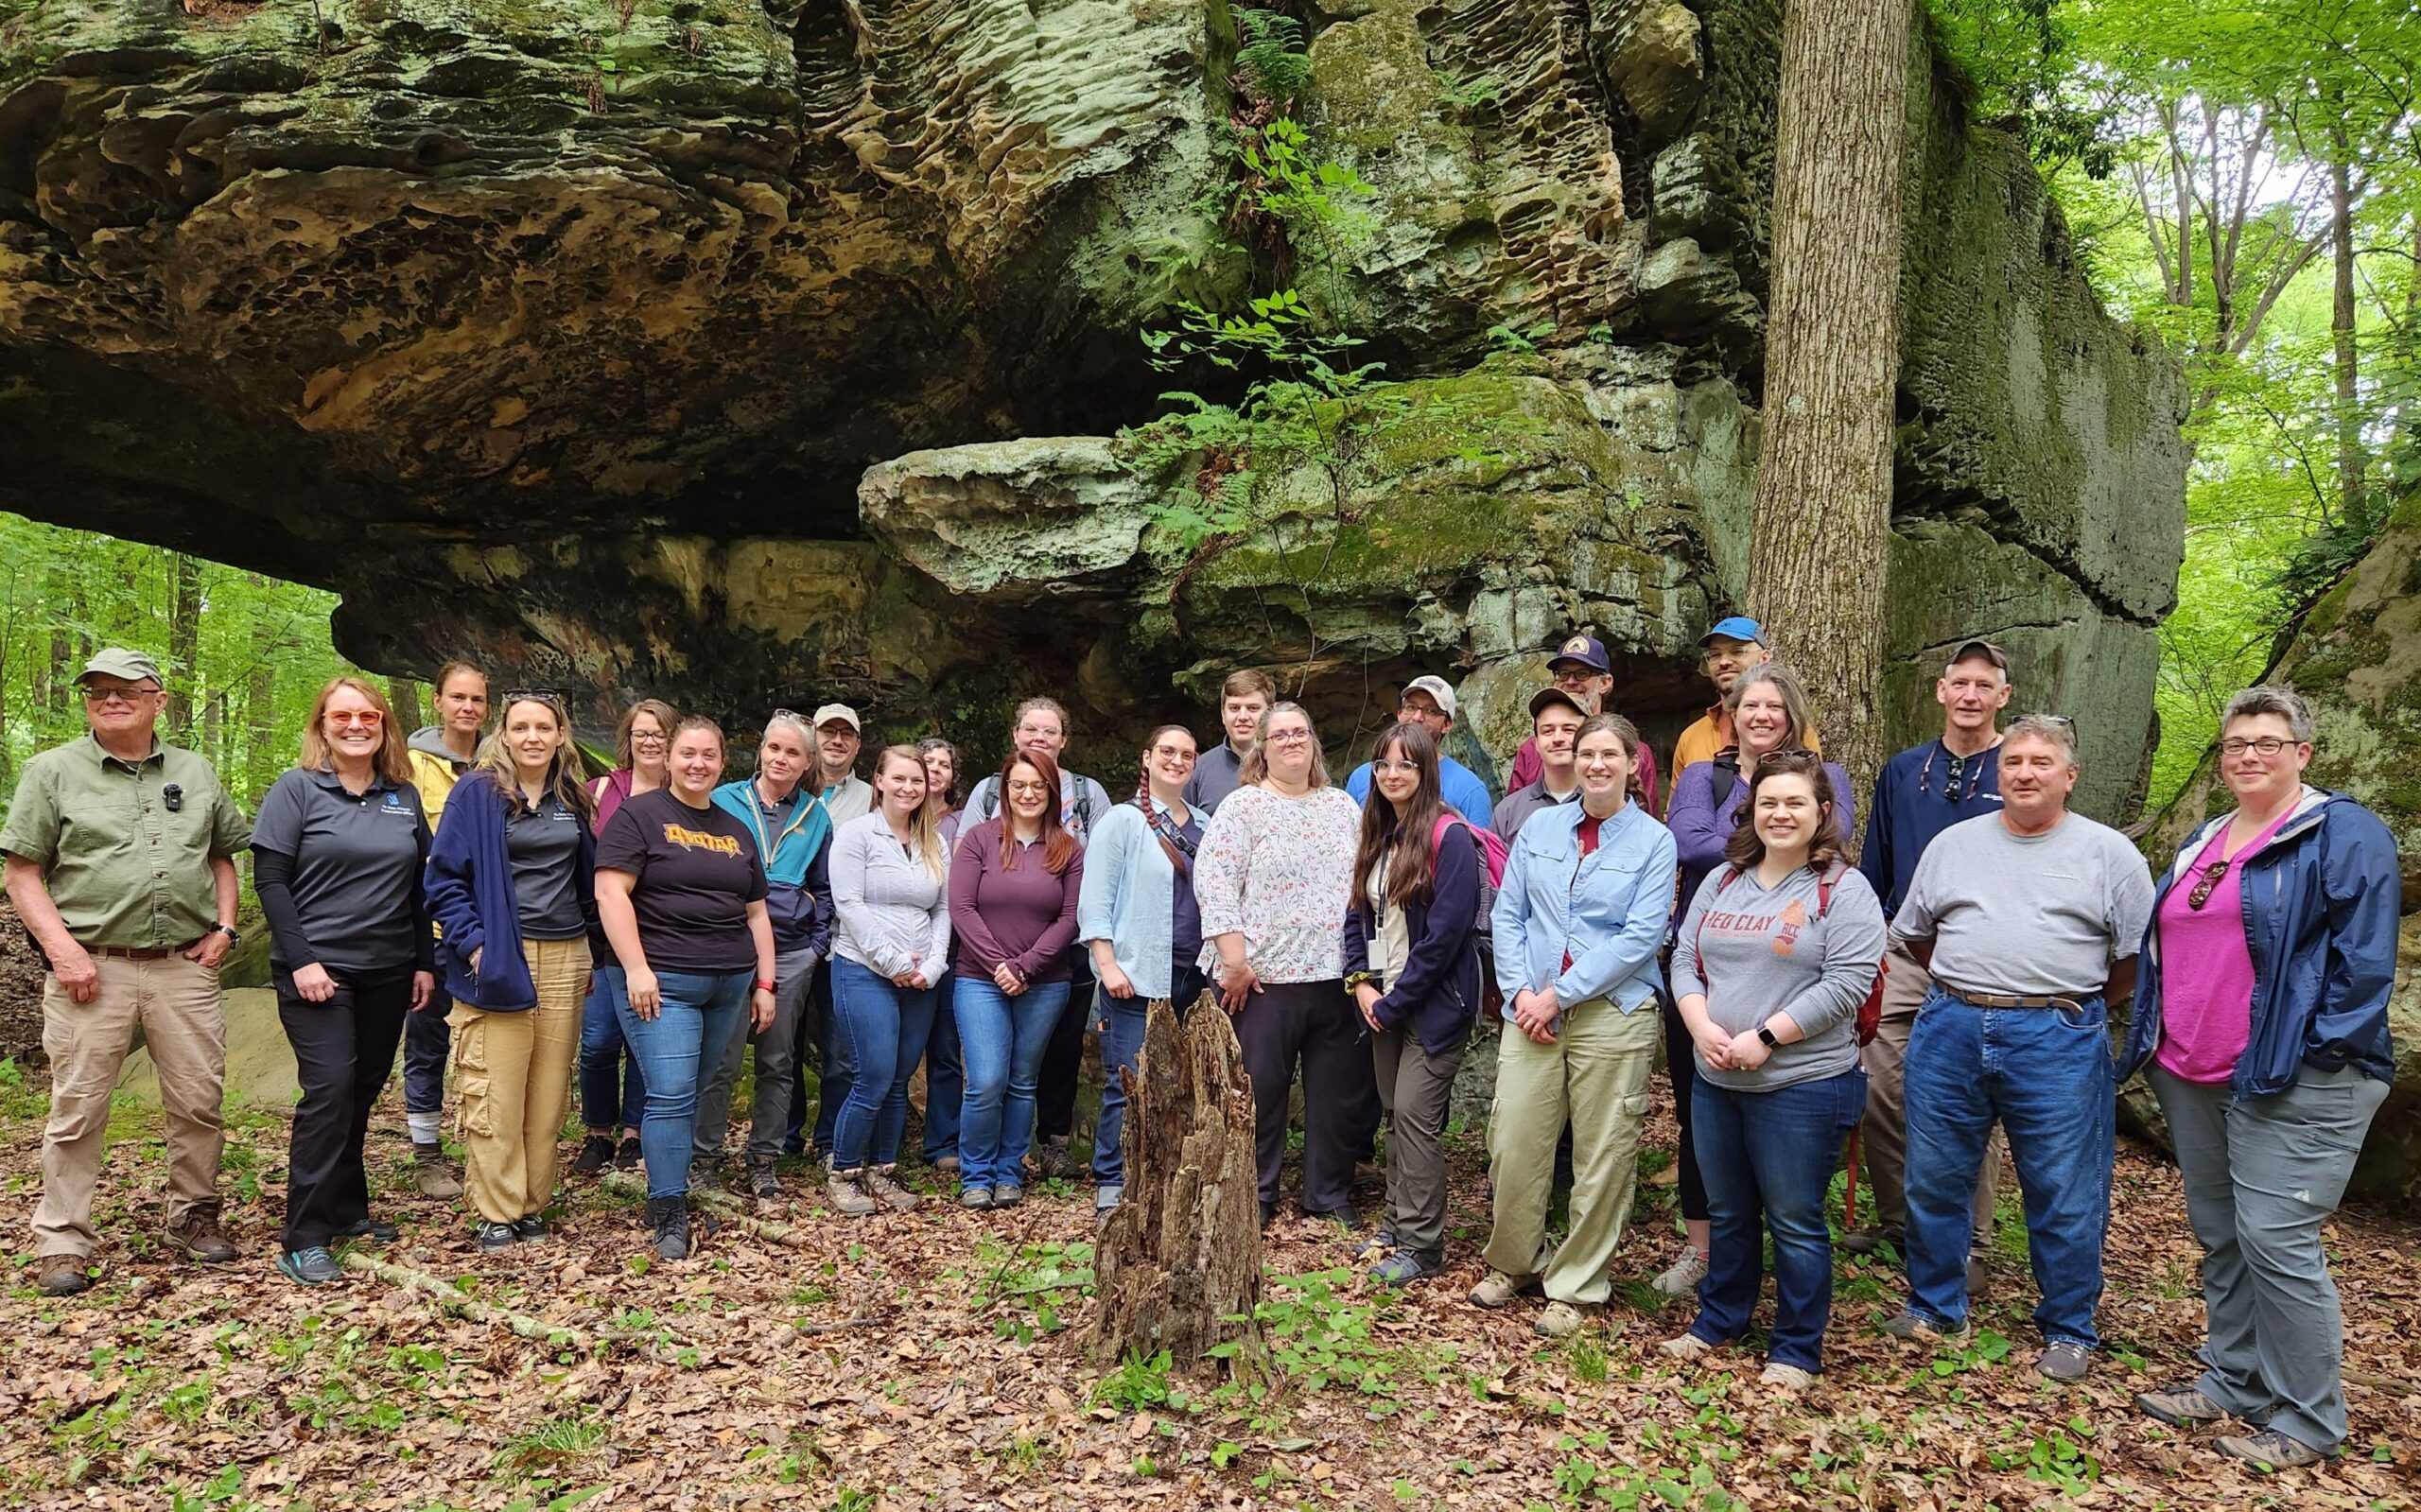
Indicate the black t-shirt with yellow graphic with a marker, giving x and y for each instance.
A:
(698, 871)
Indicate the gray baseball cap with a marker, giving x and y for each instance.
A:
(116, 661)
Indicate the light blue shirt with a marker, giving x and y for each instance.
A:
(1128, 897)
(1607, 911)
(1456, 783)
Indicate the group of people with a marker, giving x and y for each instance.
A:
(466, 891)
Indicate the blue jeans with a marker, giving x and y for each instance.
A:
(1768, 1158)
(428, 1044)
(1122, 1040)
(821, 1026)
(1004, 1039)
(676, 1051)
(945, 1074)
(882, 1027)
(612, 1092)
(2046, 1074)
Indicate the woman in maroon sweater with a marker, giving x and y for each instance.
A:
(1013, 885)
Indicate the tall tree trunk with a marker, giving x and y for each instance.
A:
(1820, 543)
(2351, 463)
(405, 695)
(184, 643)
(261, 756)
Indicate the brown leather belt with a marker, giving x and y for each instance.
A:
(1998, 999)
(147, 952)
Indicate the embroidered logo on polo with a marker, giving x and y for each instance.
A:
(700, 840)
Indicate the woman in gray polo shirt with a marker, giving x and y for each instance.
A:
(1780, 947)
(337, 857)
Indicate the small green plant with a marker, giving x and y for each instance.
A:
(1468, 93)
(552, 1444)
(1507, 337)
(1141, 1384)
(1587, 1351)
(1272, 64)
(1027, 1292)
(850, 1498)
(2059, 1458)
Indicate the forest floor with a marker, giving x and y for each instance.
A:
(934, 1360)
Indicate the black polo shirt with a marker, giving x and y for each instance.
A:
(357, 866)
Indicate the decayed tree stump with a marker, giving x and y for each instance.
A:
(1181, 1255)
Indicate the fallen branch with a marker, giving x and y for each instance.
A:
(454, 1299)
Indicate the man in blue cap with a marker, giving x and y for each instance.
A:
(1734, 645)
(1581, 669)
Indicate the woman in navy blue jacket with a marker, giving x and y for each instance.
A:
(2263, 1009)
(511, 884)
(1412, 964)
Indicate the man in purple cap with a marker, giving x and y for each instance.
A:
(1581, 669)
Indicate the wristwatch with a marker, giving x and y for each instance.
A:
(1767, 1035)
(228, 930)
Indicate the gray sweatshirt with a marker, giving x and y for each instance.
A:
(894, 916)
(1754, 952)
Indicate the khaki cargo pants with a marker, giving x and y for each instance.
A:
(514, 1084)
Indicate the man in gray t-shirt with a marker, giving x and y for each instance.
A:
(2028, 920)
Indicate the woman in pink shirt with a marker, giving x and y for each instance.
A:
(2262, 1012)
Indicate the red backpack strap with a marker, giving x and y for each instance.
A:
(1824, 880)
(1731, 875)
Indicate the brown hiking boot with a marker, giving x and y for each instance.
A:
(848, 1195)
(200, 1237)
(63, 1275)
(433, 1173)
(879, 1183)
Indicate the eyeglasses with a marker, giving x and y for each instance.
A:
(649, 737)
(2208, 885)
(1028, 789)
(367, 719)
(2268, 745)
(122, 695)
(1173, 753)
(1386, 768)
(1289, 737)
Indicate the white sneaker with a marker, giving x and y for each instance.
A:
(1682, 1278)
(1688, 1346)
(1786, 1378)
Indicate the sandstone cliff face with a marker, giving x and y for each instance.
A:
(567, 336)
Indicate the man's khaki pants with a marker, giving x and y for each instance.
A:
(514, 1084)
(1884, 1132)
(177, 1004)
(1595, 1074)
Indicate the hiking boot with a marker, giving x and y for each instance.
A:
(1345, 1215)
(946, 1165)
(199, 1236)
(762, 1184)
(707, 1174)
(1919, 1330)
(627, 1155)
(1007, 1197)
(1788, 1378)
(2064, 1360)
(879, 1184)
(1867, 1241)
(433, 1173)
(63, 1275)
(493, 1237)
(528, 1228)
(2180, 1406)
(1561, 1320)
(1404, 1267)
(977, 1198)
(669, 1218)
(848, 1195)
(1682, 1277)
(1687, 1346)
(1499, 1290)
(1056, 1160)
(2270, 1449)
(1381, 1243)
(376, 1231)
(596, 1154)
(314, 1266)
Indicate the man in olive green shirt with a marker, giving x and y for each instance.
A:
(120, 861)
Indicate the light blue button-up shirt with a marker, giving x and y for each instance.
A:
(1607, 911)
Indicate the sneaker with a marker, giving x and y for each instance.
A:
(2270, 1449)
(199, 1236)
(433, 1173)
(669, 1218)
(706, 1175)
(1909, 1326)
(849, 1197)
(1499, 1290)
(763, 1184)
(627, 1156)
(1007, 1195)
(63, 1275)
(494, 1236)
(1381, 1245)
(1867, 1241)
(1403, 1266)
(529, 1227)
(1788, 1378)
(2064, 1360)
(975, 1197)
(1682, 1277)
(314, 1266)
(1686, 1346)
(2180, 1406)
(1561, 1320)
(377, 1230)
(881, 1184)
(596, 1154)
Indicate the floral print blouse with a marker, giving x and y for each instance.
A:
(1280, 871)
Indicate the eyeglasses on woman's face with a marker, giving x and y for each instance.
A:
(1173, 752)
(1289, 737)
(2264, 746)
(367, 719)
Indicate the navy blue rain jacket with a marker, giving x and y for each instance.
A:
(2320, 917)
(1437, 992)
(469, 882)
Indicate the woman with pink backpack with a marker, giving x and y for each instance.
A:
(1412, 964)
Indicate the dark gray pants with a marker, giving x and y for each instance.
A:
(2260, 1177)
(1414, 1085)
(770, 1112)
(1312, 1022)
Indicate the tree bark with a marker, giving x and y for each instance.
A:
(2352, 465)
(184, 643)
(1181, 1254)
(404, 694)
(1820, 543)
